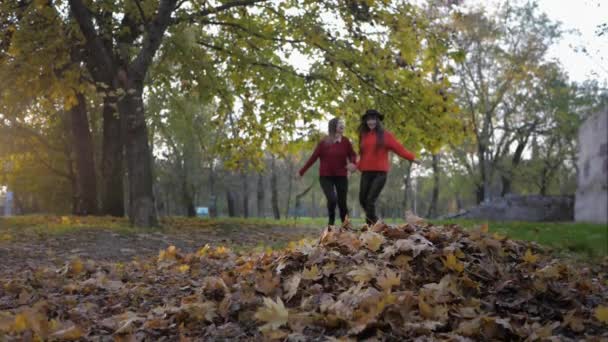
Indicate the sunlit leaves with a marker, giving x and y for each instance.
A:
(601, 314)
(529, 257)
(274, 314)
(318, 290)
(452, 263)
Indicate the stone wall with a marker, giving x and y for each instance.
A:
(523, 208)
(591, 204)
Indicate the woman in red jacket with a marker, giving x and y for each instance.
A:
(334, 152)
(374, 145)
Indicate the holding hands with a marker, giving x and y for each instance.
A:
(351, 167)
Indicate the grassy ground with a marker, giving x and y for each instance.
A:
(580, 239)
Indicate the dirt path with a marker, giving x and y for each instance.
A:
(108, 245)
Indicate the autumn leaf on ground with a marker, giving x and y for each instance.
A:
(425, 309)
(363, 273)
(273, 313)
(291, 286)
(601, 314)
(312, 273)
(529, 258)
(452, 263)
(372, 240)
(389, 279)
(71, 333)
(266, 282)
(76, 266)
(329, 268)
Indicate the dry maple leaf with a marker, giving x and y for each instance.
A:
(425, 309)
(372, 240)
(363, 273)
(601, 314)
(529, 258)
(328, 269)
(266, 282)
(312, 274)
(452, 263)
(388, 280)
(273, 313)
(291, 286)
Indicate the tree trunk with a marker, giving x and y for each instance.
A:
(212, 194)
(483, 188)
(408, 185)
(435, 195)
(111, 163)
(245, 194)
(85, 163)
(188, 199)
(142, 211)
(507, 177)
(274, 191)
(230, 202)
(260, 195)
(289, 185)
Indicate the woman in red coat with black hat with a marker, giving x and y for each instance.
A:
(374, 145)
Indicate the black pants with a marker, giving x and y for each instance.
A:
(372, 183)
(335, 189)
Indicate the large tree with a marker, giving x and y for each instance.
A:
(504, 60)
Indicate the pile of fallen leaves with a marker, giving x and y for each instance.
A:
(415, 281)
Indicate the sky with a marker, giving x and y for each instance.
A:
(584, 17)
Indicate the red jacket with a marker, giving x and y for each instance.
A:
(333, 158)
(376, 158)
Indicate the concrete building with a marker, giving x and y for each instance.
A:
(591, 202)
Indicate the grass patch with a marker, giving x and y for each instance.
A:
(586, 240)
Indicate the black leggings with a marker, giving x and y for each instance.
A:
(372, 183)
(335, 189)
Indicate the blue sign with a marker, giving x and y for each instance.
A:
(202, 211)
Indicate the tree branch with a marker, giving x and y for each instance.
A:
(237, 3)
(152, 40)
(102, 57)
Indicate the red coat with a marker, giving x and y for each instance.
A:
(333, 157)
(376, 158)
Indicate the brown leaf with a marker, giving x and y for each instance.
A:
(273, 314)
(267, 283)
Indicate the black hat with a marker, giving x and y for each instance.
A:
(372, 112)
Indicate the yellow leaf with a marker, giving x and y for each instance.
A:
(312, 273)
(601, 313)
(529, 257)
(184, 268)
(329, 268)
(203, 251)
(372, 240)
(20, 323)
(363, 273)
(426, 310)
(76, 266)
(389, 279)
(273, 313)
(452, 263)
